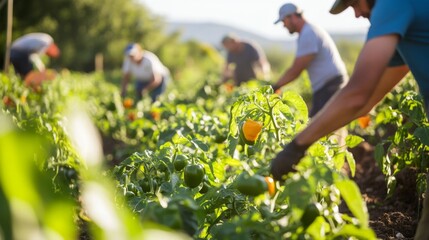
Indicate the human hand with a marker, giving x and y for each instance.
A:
(286, 160)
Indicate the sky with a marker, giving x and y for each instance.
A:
(256, 16)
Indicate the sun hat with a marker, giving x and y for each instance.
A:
(340, 5)
(286, 10)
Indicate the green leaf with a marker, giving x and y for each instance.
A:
(296, 101)
(339, 160)
(352, 163)
(360, 233)
(353, 198)
(422, 133)
(199, 144)
(353, 140)
(379, 154)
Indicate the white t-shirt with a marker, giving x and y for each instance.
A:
(33, 42)
(328, 63)
(144, 70)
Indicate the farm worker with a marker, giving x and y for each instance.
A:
(26, 52)
(245, 60)
(316, 53)
(150, 74)
(397, 42)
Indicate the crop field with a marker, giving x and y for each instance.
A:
(77, 161)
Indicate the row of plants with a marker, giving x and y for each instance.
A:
(195, 163)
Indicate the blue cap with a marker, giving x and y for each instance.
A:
(131, 49)
(286, 10)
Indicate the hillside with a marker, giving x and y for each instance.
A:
(212, 33)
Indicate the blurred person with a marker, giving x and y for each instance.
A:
(26, 52)
(150, 74)
(245, 61)
(316, 53)
(397, 42)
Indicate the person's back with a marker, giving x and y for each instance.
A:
(33, 42)
(327, 63)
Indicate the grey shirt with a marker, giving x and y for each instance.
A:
(327, 63)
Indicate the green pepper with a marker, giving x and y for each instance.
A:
(180, 162)
(311, 212)
(146, 184)
(204, 188)
(251, 185)
(194, 175)
(220, 135)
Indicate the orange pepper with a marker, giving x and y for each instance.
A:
(251, 130)
(271, 186)
(132, 116)
(229, 87)
(364, 121)
(155, 115)
(128, 103)
(7, 101)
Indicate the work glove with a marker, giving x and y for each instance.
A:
(286, 160)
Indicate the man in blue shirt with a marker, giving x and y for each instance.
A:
(397, 42)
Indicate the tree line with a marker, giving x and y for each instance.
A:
(83, 28)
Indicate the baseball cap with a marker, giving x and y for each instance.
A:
(131, 49)
(340, 5)
(286, 10)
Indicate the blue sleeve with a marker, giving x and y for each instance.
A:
(396, 60)
(390, 17)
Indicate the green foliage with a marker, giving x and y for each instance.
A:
(144, 184)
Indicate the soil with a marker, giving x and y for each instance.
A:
(390, 218)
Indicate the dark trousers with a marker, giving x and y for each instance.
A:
(322, 96)
(21, 62)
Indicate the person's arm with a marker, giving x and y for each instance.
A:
(262, 68)
(227, 72)
(299, 64)
(38, 63)
(125, 80)
(155, 82)
(368, 84)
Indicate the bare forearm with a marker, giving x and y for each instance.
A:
(368, 84)
(287, 77)
(124, 84)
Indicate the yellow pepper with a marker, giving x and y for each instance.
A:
(251, 130)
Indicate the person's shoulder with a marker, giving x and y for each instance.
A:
(252, 44)
(314, 29)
